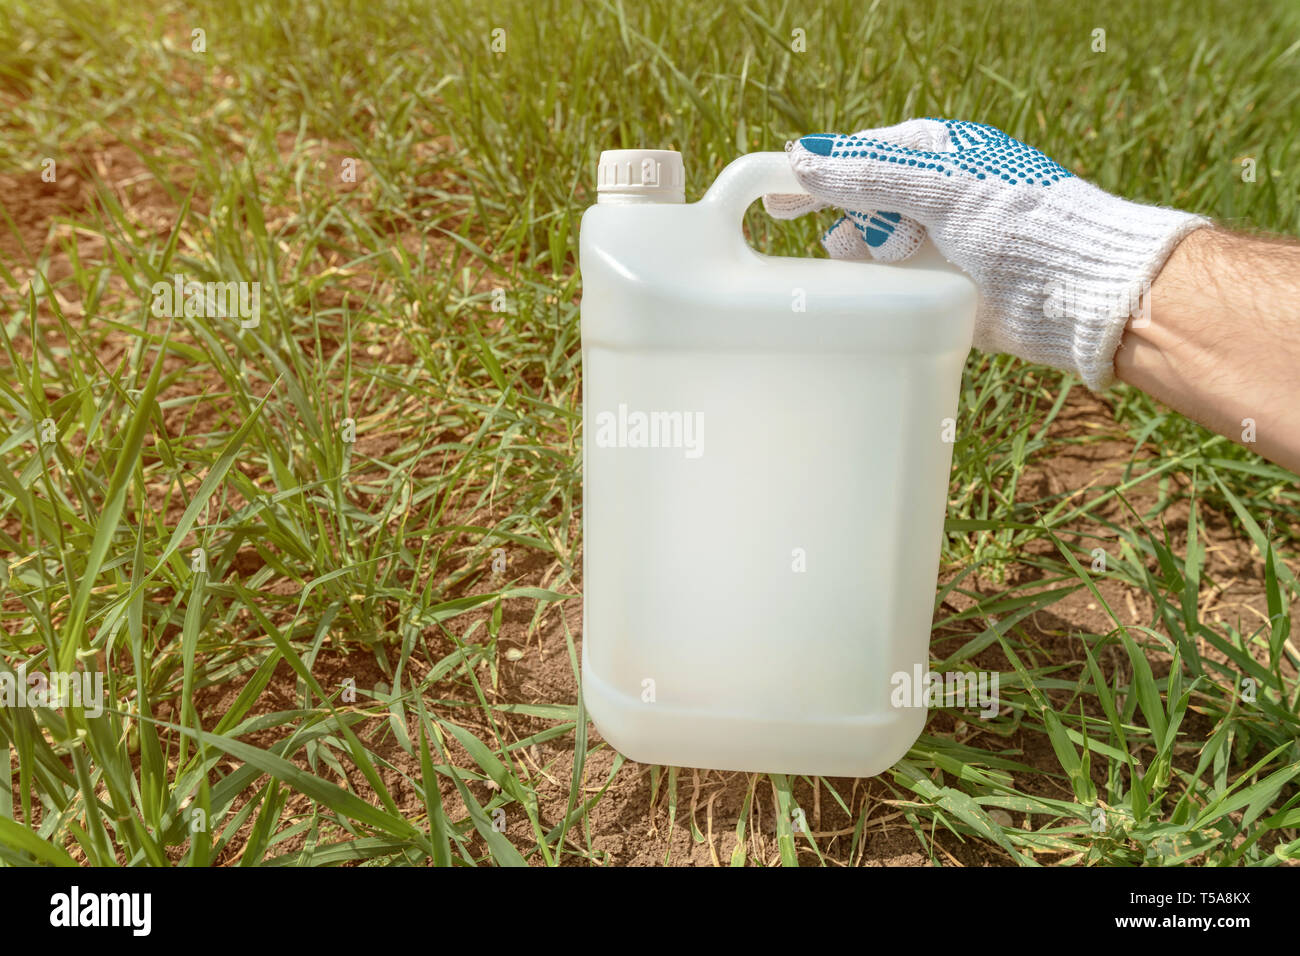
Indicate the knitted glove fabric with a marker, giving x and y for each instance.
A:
(1061, 265)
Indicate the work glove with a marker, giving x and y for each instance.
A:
(1060, 264)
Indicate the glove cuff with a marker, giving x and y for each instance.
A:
(1102, 254)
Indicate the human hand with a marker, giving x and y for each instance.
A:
(1061, 265)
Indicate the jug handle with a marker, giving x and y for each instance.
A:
(749, 178)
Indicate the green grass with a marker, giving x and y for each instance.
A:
(323, 559)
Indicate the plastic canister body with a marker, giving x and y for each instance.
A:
(765, 470)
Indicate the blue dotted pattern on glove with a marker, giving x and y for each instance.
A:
(982, 152)
(875, 228)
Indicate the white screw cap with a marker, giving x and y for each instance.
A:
(640, 175)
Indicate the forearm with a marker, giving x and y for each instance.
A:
(1221, 343)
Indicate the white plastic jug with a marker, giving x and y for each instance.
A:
(765, 471)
